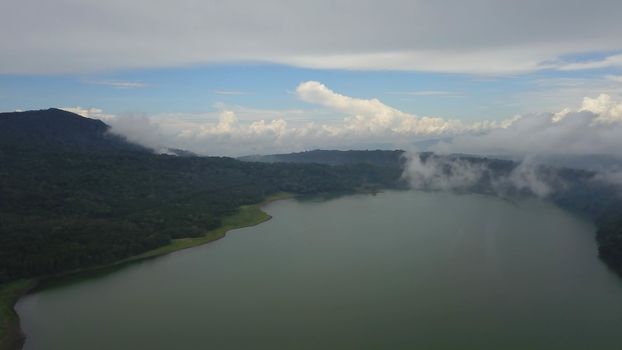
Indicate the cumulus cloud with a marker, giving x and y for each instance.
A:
(604, 109)
(374, 117)
(366, 123)
(593, 128)
(483, 37)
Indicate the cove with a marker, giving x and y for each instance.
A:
(399, 270)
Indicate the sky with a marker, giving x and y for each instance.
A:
(253, 77)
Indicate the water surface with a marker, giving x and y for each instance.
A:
(397, 270)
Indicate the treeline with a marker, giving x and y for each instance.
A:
(61, 211)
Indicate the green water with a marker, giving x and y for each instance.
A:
(400, 270)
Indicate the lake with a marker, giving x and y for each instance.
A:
(399, 270)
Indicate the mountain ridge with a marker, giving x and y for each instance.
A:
(55, 129)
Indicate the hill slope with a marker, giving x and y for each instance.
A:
(56, 129)
(74, 195)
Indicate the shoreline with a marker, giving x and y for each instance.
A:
(11, 335)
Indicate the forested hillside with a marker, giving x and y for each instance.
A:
(56, 129)
(63, 209)
(74, 195)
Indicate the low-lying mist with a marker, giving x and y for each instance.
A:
(464, 173)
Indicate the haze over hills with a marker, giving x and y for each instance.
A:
(71, 203)
(66, 173)
(56, 129)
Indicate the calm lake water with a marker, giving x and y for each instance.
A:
(399, 270)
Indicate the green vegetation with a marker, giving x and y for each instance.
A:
(247, 215)
(63, 211)
(9, 328)
(75, 197)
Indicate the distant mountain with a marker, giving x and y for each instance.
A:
(381, 158)
(55, 129)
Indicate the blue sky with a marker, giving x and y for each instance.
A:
(269, 86)
(240, 76)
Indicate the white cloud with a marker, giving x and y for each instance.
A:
(481, 37)
(366, 123)
(593, 128)
(605, 110)
(371, 116)
(555, 94)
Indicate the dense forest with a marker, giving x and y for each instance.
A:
(61, 211)
(73, 195)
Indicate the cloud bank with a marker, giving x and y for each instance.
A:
(366, 123)
(594, 127)
(477, 37)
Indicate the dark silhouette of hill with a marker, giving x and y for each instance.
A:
(74, 195)
(55, 129)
